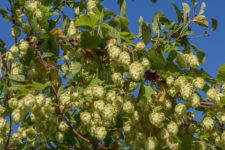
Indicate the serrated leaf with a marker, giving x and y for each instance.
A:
(200, 54)
(148, 91)
(90, 20)
(186, 141)
(202, 9)
(156, 25)
(3, 13)
(157, 59)
(96, 81)
(201, 20)
(76, 67)
(158, 108)
(88, 98)
(186, 12)
(181, 61)
(123, 8)
(60, 90)
(214, 24)
(179, 14)
(221, 73)
(47, 54)
(146, 33)
(17, 77)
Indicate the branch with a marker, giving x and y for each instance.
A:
(57, 100)
(207, 103)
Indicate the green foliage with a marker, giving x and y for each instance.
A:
(87, 81)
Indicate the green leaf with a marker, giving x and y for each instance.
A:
(202, 9)
(146, 33)
(47, 54)
(89, 41)
(123, 8)
(222, 100)
(17, 77)
(148, 91)
(76, 67)
(90, 20)
(214, 24)
(88, 98)
(179, 14)
(140, 22)
(60, 90)
(66, 22)
(158, 108)
(2, 47)
(186, 12)
(3, 13)
(41, 86)
(181, 61)
(34, 23)
(157, 59)
(156, 25)
(221, 74)
(186, 141)
(194, 3)
(201, 20)
(96, 81)
(200, 54)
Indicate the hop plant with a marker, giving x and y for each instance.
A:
(38, 13)
(222, 119)
(151, 143)
(14, 49)
(85, 117)
(157, 118)
(199, 83)
(31, 5)
(192, 60)
(170, 80)
(71, 30)
(124, 59)
(100, 133)
(186, 91)
(23, 46)
(26, 28)
(146, 63)
(2, 123)
(128, 107)
(114, 52)
(172, 128)
(208, 123)
(98, 92)
(136, 71)
(91, 4)
(140, 46)
(211, 94)
(223, 87)
(108, 112)
(195, 100)
(16, 32)
(180, 110)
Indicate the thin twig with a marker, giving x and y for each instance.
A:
(204, 106)
(207, 103)
(57, 100)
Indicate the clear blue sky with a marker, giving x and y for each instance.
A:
(214, 46)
